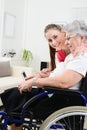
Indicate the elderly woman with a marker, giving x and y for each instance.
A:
(67, 74)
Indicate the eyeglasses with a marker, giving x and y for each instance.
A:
(70, 37)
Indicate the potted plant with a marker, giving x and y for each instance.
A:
(27, 56)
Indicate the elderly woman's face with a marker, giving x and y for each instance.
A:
(73, 41)
(56, 39)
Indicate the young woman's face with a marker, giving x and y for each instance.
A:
(73, 41)
(56, 39)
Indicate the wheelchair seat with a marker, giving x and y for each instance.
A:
(52, 99)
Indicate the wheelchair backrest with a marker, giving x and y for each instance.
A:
(83, 87)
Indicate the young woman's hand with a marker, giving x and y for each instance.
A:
(30, 77)
(44, 72)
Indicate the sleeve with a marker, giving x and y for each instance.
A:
(78, 64)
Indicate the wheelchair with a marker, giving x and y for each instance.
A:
(70, 114)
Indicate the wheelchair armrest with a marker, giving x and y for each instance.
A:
(64, 90)
(53, 90)
(69, 92)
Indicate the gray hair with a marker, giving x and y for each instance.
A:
(77, 28)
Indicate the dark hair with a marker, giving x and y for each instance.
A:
(52, 57)
(52, 50)
(52, 26)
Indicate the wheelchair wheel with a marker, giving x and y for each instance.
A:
(25, 127)
(33, 125)
(69, 118)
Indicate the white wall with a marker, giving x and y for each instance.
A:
(39, 14)
(16, 9)
(1, 21)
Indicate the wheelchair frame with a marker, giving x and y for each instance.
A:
(30, 123)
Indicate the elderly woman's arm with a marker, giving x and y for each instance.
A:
(67, 79)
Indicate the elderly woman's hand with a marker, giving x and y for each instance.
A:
(25, 85)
